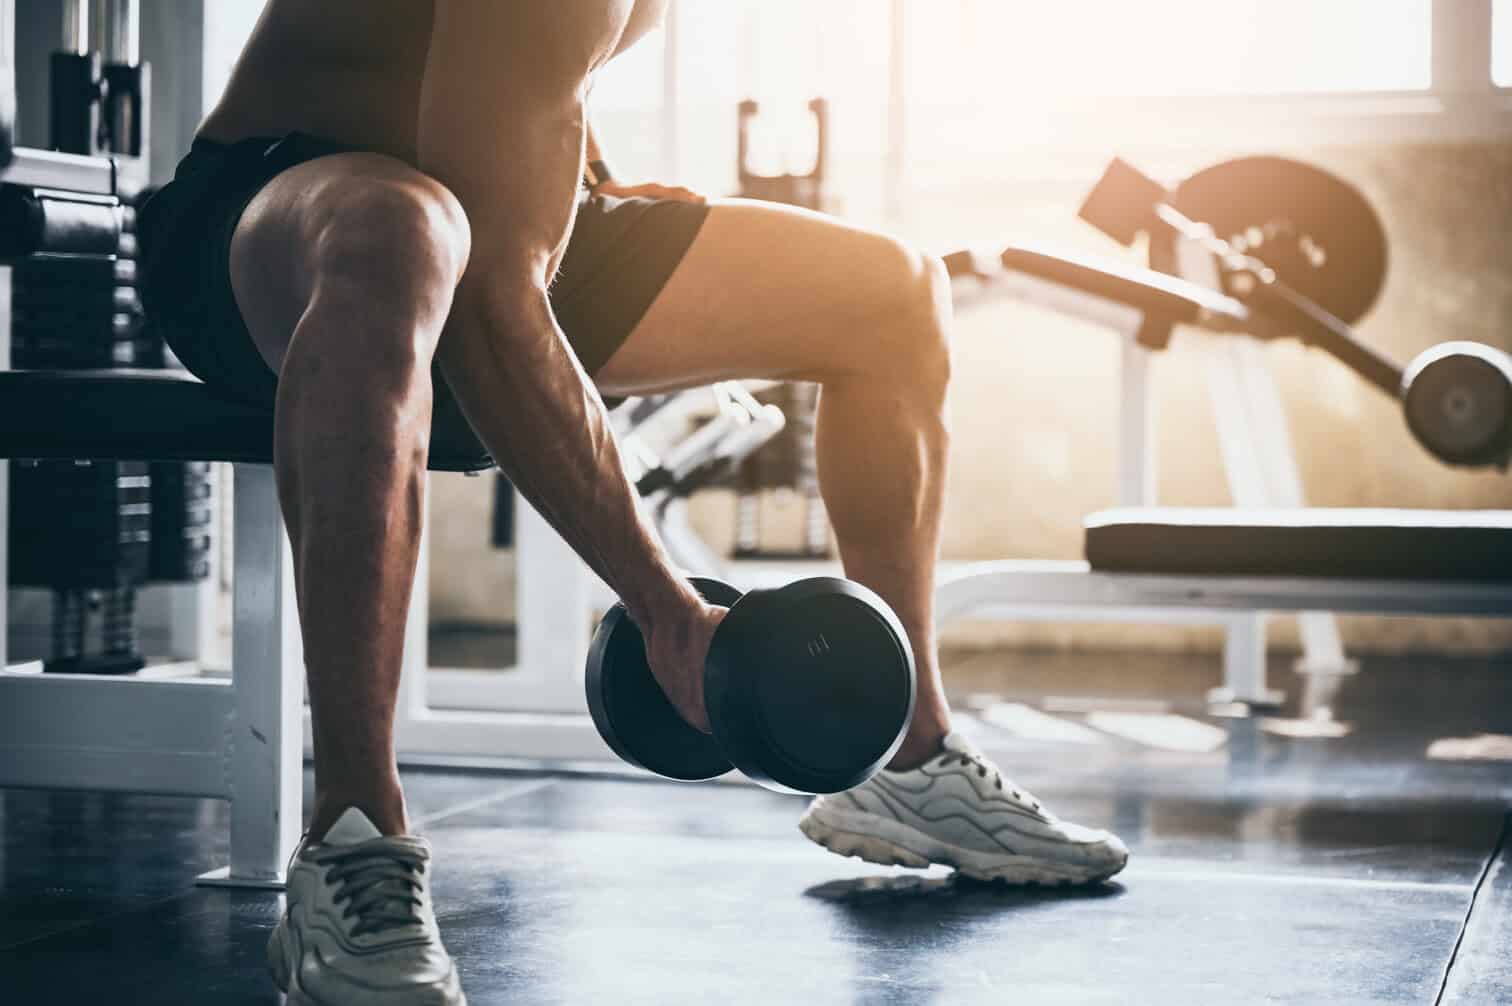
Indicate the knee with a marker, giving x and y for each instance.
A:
(386, 254)
(916, 340)
(399, 239)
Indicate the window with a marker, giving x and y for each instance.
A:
(1020, 51)
(782, 53)
(627, 100)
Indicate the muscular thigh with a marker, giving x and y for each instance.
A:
(767, 291)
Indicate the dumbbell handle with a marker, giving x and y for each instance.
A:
(1282, 311)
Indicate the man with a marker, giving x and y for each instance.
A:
(382, 221)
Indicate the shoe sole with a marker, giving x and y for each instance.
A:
(887, 842)
(278, 970)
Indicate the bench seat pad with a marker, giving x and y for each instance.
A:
(162, 415)
(1308, 542)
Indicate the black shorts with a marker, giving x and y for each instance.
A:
(621, 253)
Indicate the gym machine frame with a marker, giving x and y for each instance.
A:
(1261, 471)
(235, 739)
(1255, 445)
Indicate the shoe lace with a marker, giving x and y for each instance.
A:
(983, 766)
(378, 884)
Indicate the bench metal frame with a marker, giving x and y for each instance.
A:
(1259, 464)
(236, 739)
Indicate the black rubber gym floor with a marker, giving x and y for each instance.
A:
(1266, 868)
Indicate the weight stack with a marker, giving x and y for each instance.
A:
(80, 525)
(84, 530)
(94, 532)
(81, 311)
(183, 521)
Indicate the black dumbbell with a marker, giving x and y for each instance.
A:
(809, 689)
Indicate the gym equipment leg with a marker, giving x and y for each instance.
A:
(1262, 471)
(1244, 664)
(267, 674)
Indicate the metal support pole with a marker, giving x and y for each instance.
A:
(415, 663)
(1136, 426)
(122, 30)
(1244, 664)
(265, 750)
(76, 37)
(5, 345)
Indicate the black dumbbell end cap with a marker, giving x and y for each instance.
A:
(814, 688)
(632, 712)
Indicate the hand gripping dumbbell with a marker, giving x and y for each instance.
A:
(809, 688)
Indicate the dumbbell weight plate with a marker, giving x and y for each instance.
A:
(1318, 232)
(810, 687)
(631, 711)
(1457, 398)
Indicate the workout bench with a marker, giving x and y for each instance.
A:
(239, 739)
(1270, 552)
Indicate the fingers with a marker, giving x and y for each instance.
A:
(688, 700)
(676, 657)
(697, 716)
(692, 707)
(650, 190)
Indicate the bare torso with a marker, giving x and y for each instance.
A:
(351, 71)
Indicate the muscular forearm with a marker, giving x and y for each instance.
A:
(516, 176)
(531, 402)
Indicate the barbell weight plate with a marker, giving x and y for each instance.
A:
(810, 687)
(630, 709)
(1457, 398)
(1318, 232)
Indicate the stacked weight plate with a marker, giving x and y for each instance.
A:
(80, 525)
(183, 519)
(81, 311)
(93, 532)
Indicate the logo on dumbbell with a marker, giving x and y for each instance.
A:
(818, 646)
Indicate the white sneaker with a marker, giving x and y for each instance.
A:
(956, 809)
(359, 929)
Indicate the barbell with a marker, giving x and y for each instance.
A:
(1306, 253)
